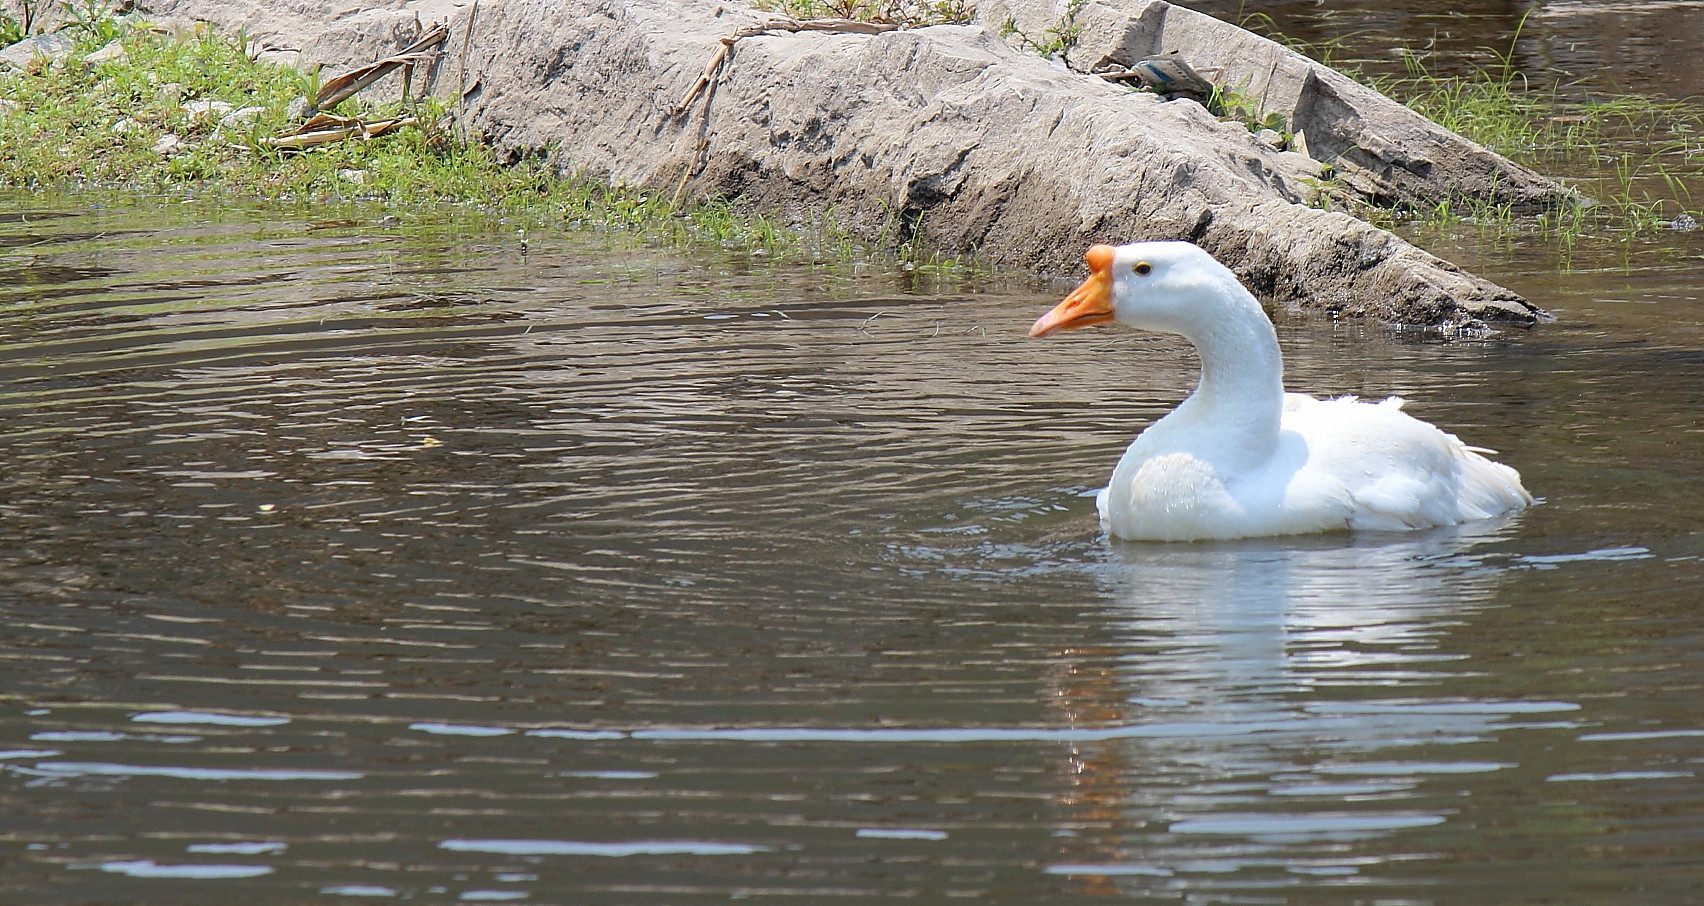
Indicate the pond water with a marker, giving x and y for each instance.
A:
(1641, 46)
(380, 557)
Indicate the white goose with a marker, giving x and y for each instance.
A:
(1241, 458)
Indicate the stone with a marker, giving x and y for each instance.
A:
(241, 118)
(50, 47)
(946, 135)
(1273, 139)
(112, 52)
(1392, 155)
(170, 26)
(204, 109)
(167, 145)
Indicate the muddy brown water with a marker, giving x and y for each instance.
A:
(379, 558)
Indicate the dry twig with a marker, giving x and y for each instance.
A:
(778, 25)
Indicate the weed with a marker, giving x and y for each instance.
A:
(1055, 40)
(93, 18)
(904, 13)
(1231, 104)
(1637, 157)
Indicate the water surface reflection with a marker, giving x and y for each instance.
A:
(377, 559)
(1311, 698)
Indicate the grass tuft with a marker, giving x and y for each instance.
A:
(903, 13)
(1639, 159)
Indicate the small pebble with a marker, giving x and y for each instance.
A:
(111, 53)
(203, 109)
(240, 119)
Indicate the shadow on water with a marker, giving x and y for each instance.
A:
(387, 561)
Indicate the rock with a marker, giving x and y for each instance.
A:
(1273, 139)
(167, 145)
(175, 27)
(126, 125)
(943, 134)
(50, 47)
(201, 109)
(274, 57)
(169, 93)
(240, 119)
(112, 52)
(1390, 154)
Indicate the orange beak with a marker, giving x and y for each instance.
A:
(1090, 303)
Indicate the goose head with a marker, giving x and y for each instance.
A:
(1171, 287)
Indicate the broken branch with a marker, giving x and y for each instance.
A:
(778, 25)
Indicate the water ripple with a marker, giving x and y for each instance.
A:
(603, 573)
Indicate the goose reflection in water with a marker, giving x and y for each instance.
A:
(1298, 694)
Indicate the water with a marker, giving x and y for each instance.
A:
(377, 558)
(1647, 46)
(366, 556)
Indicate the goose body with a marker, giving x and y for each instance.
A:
(1241, 458)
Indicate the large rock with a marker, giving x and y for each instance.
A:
(1380, 149)
(946, 132)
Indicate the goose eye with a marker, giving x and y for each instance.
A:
(1142, 268)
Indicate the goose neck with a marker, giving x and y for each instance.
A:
(1242, 386)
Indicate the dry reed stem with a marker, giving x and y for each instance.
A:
(347, 84)
(777, 25)
(324, 129)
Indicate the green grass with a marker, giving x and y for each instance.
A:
(103, 125)
(1639, 159)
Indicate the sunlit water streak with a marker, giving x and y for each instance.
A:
(378, 559)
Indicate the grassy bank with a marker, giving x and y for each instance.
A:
(160, 114)
(166, 114)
